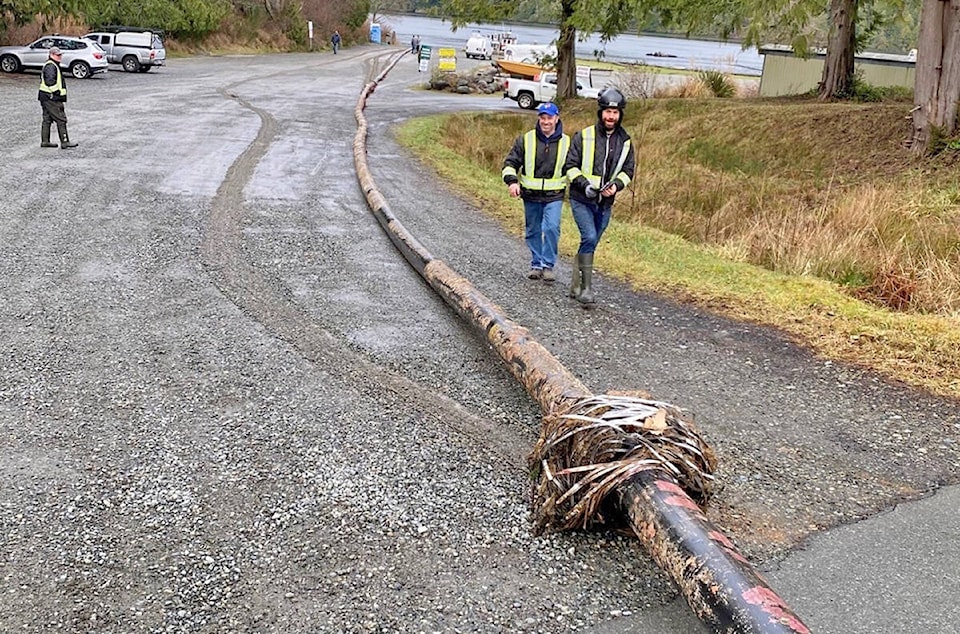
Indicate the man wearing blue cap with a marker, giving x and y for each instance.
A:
(533, 170)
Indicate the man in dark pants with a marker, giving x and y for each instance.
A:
(53, 96)
(335, 40)
(600, 164)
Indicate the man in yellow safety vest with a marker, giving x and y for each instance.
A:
(600, 164)
(53, 96)
(533, 171)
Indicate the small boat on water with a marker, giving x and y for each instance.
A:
(519, 69)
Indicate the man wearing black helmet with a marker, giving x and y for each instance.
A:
(599, 164)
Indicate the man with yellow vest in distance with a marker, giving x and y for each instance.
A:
(533, 171)
(600, 164)
(53, 96)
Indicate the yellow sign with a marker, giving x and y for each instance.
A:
(448, 59)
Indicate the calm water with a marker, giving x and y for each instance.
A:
(690, 54)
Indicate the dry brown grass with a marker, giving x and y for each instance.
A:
(796, 186)
(687, 88)
(788, 213)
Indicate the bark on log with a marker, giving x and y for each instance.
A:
(718, 582)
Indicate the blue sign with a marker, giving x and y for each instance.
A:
(375, 33)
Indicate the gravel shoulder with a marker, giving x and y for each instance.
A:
(227, 404)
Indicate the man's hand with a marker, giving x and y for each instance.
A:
(609, 190)
(514, 189)
(590, 191)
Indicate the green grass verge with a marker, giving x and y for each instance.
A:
(921, 350)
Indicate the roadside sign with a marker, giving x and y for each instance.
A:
(448, 59)
(375, 33)
(424, 52)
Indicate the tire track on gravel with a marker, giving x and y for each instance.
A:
(263, 299)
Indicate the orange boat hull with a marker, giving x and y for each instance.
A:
(520, 69)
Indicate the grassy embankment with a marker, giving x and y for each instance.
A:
(808, 217)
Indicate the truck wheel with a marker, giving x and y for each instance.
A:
(131, 64)
(80, 70)
(525, 100)
(9, 64)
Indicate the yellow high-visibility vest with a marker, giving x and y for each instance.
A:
(527, 179)
(589, 136)
(57, 88)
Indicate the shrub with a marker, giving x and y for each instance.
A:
(636, 83)
(719, 84)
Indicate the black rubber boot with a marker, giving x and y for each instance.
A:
(586, 273)
(45, 135)
(575, 283)
(65, 141)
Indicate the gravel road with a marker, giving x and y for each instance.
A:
(228, 405)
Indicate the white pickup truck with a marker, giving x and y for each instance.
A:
(136, 51)
(530, 92)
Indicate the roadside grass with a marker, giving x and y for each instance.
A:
(804, 216)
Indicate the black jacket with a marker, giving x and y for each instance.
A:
(544, 165)
(607, 149)
(49, 78)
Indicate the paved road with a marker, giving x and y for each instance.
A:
(894, 573)
(227, 404)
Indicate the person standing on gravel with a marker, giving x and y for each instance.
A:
(335, 40)
(533, 171)
(52, 97)
(600, 164)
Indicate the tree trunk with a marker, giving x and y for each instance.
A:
(567, 53)
(838, 67)
(936, 88)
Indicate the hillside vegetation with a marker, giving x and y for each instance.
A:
(807, 216)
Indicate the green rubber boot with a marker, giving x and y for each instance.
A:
(45, 135)
(575, 284)
(65, 141)
(586, 273)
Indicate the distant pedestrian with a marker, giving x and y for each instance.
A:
(533, 171)
(415, 44)
(600, 164)
(335, 41)
(52, 97)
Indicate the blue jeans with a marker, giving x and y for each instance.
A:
(592, 221)
(543, 232)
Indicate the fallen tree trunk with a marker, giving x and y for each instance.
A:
(611, 459)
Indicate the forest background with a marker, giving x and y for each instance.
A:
(281, 25)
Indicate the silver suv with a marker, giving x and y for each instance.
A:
(81, 58)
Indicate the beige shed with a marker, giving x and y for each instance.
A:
(784, 73)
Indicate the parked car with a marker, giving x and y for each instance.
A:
(81, 58)
(478, 46)
(135, 50)
(530, 92)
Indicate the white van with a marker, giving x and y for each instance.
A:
(479, 47)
